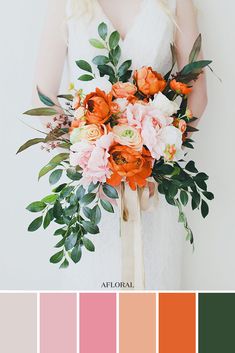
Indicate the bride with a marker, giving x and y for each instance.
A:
(147, 27)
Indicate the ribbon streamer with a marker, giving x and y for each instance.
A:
(131, 203)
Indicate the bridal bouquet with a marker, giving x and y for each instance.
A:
(119, 127)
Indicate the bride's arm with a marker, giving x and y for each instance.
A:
(52, 52)
(185, 37)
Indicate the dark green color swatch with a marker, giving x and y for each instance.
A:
(216, 322)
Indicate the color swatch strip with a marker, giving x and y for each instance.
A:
(97, 323)
(116, 323)
(58, 323)
(177, 323)
(18, 323)
(137, 323)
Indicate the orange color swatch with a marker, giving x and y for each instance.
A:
(137, 323)
(177, 323)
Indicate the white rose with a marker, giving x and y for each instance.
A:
(162, 103)
(172, 138)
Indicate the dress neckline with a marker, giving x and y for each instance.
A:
(135, 22)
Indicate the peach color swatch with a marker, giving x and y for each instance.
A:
(137, 323)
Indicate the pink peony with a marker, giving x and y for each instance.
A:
(80, 153)
(97, 169)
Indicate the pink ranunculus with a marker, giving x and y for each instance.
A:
(97, 169)
(80, 153)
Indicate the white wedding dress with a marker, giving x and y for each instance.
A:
(146, 43)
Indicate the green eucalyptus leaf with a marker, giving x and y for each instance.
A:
(70, 241)
(103, 30)
(96, 43)
(41, 112)
(208, 195)
(86, 78)
(100, 60)
(106, 70)
(36, 224)
(88, 244)
(190, 166)
(57, 257)
(124, 67)
(107, 206)
(114, 39)
(60, 244)
(80, 192)
(64, 264)
(55, 176)
(87, 212)
(59, 188)
(76, 254)
(50, 198)
(90, 227)
(184, 197)
(204, 209)
(96, 215)
(48, 218)
(88, 198)
(73, 174)
(30, 143)
(44, 99)
(84, 65)
(57, 210)
(110, 191)
(37, 206)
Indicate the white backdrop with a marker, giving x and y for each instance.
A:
(24, 257)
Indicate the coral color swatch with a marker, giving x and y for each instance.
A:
(97, 323)
(177, 323)
(137, 323)
(18, 323)
(58, 323)
(216, 322)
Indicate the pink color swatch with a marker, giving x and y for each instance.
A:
(58, 324)
(97, 323)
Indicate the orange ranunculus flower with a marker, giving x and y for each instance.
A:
(149, 82)
(99, 107)
(132, 165)
(180, 88)
(124, 90)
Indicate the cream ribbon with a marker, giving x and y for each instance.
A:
(132, 259)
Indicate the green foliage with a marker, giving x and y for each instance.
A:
(44, 99)
(30, 143)
(41, 112)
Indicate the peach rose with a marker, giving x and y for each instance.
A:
(128, 136)
(182, 126)
(124, 90)
(149, 82)
(99, 107)
(89, 133)
(180, 88)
